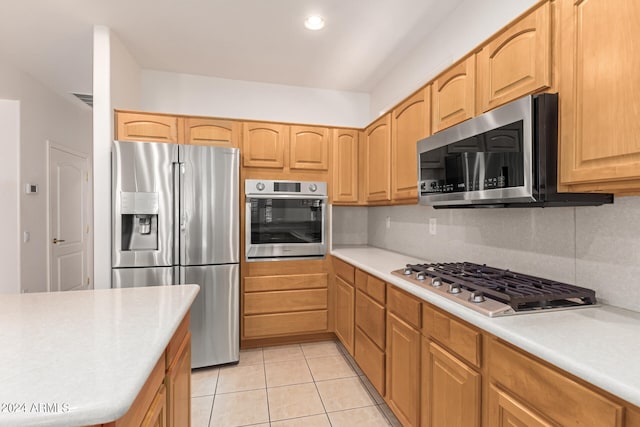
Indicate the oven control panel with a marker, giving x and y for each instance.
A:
(269, 187)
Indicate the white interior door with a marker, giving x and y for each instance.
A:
(68, 220)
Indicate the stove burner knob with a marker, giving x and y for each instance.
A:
(454, 288)
(407, 271)
(477, 297)
(436, 282)
(421, 275)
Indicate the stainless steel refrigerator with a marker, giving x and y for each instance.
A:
(175, 220)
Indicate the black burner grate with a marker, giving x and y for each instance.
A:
(522, 292)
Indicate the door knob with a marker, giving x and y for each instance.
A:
(58, 240)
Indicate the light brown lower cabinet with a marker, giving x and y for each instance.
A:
(345, 315)
(451, 390)
(403, 370)
(283, 302)
(434, 369)
(165, 398)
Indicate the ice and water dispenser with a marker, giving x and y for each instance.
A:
(139, 216)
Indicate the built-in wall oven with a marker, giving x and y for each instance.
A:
(285, 219)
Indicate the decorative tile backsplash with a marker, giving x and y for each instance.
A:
(594, 247)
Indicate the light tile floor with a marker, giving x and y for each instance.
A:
(305, 385)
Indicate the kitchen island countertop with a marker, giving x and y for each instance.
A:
(81, 357)
(598, 344)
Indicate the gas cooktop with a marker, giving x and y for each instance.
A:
(496, 292)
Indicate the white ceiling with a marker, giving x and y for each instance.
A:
(254, 40)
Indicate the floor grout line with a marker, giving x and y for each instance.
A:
(380, 407)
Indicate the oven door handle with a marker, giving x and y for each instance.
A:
(285, 196)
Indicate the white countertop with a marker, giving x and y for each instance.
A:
(81, 357)
(597, 344)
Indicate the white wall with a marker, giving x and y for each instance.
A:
(465, 28)
(210, 96)
(44, 115)
(116, 84)
(9, 188)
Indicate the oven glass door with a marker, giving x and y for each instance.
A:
(285, 227)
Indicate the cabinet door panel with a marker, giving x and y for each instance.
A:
(454, 94)
(403, 370)
(411, 122)
(345, 319)
(212, 132)
(377, 160)
(309, 148)
(451, 389)
(147, 127)
(178, 381)
(599, 129)
(263, 144)
(345, 166)
(518, 61)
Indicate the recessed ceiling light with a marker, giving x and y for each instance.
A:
(314, 22)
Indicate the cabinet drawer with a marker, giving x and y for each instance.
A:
(344, 270)
(453, 334)
(371, 286)
(403, 305)
(284, 301)
(282, 283)
(370, 318)
(371, 360)
(542, 387)
(264, 325)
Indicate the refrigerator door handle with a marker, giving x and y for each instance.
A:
(176, 213)
(183, 215)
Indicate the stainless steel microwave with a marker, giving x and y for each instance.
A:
(285, 220)
(506, 157)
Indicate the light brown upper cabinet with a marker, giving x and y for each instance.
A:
(377, 160)
(517, 61)
(147, 127)
(345, 166)
(309, 148)
(213, 132)
(454, 94)
(263, 144)
(600, 95)
(411, 121)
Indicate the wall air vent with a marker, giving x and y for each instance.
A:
(87, 99)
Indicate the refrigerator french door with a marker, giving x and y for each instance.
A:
(176, 220)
